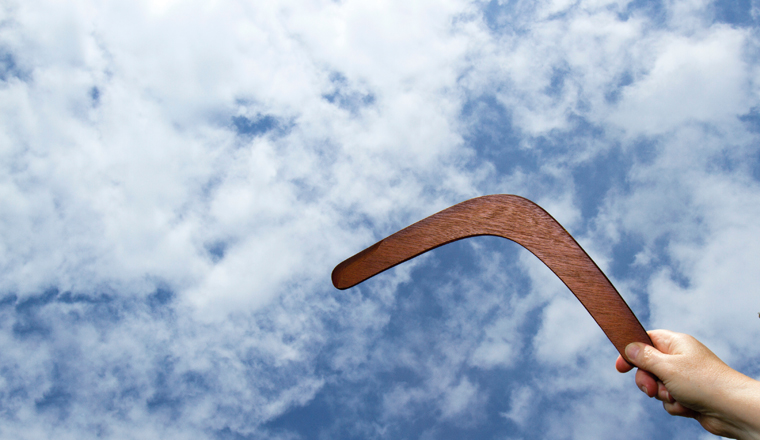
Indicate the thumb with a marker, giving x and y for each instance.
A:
(643, 356)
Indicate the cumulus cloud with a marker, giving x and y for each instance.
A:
(178, 179)
(699, 79)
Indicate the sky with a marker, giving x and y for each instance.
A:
(178, 178)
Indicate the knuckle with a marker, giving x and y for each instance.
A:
(647, 358)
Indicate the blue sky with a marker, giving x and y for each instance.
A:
(178, 179)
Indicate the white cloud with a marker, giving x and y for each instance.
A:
(559, 67)
(463, 398)
(501, 346)
(521, 405)
(153, 176)
(700, 78)
(121, 172)
(568, 331)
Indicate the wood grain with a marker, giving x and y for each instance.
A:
(522, 221)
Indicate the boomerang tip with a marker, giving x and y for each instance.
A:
(360, 267)
(344, 276)
(337, 278)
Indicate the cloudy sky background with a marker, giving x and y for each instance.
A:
(178, 178)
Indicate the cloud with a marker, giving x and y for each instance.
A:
(520, 406)
(702, 78)
(178, 179)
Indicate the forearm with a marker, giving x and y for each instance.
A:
(745, 405)
(735, 410)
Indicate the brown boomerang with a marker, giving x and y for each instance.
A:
(522, 221)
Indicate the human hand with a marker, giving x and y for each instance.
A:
(692, 381)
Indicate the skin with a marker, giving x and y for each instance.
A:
(692, 381)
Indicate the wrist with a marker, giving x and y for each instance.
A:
(742, 402)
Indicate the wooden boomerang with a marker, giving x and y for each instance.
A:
(522, 221)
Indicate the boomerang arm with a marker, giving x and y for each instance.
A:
(522, 221)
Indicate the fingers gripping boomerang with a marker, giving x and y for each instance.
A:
(522, 221)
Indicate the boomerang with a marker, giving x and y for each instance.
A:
(522, 221)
